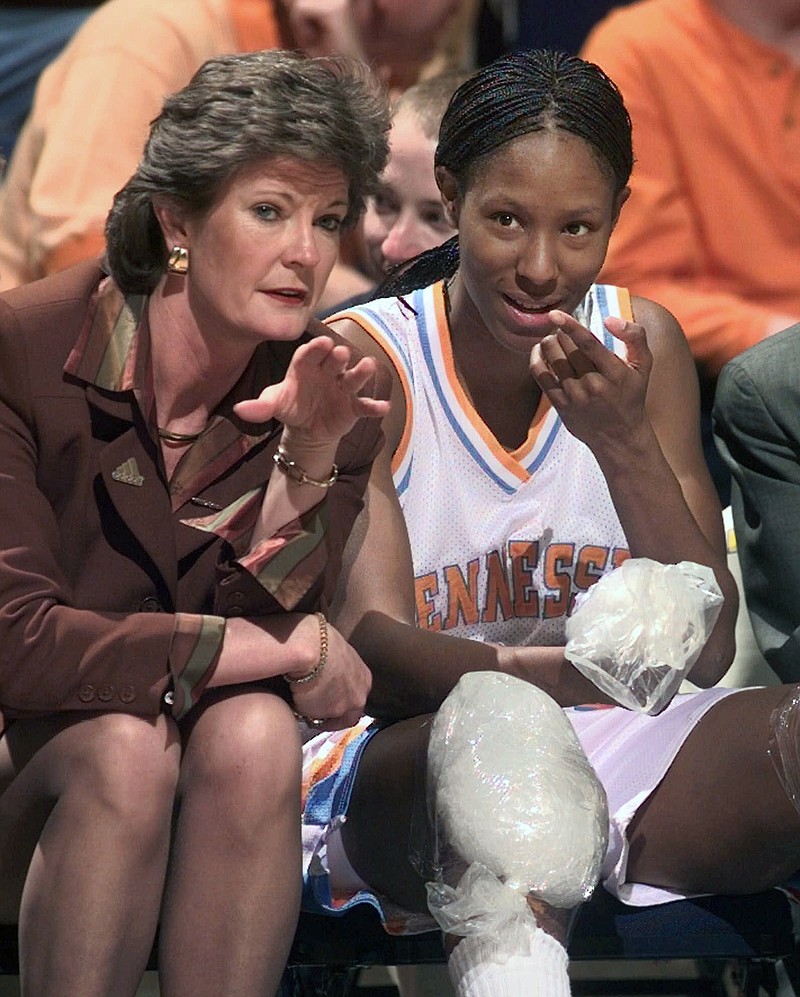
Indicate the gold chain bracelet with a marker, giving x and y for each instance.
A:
(296, 473)
(323, 654)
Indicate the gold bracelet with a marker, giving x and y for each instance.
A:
(323, 654)
(296, 473)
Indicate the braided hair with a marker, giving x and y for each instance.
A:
(515, 95)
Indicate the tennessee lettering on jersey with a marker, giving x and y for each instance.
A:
(523, 580)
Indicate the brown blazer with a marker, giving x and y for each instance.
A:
(92, 568)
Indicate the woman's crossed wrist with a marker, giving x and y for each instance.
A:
(322, 659)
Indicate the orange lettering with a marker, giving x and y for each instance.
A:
(498, 593)
(426, 588)
(462, 595)
(524, 555)
(558, 558)
(591, 564)
(619, 555)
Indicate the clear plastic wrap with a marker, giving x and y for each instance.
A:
(480, 905)
(638, 631)
(513, 798)
(784, 740)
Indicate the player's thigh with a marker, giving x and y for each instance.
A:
(386, 835)
(721, 819)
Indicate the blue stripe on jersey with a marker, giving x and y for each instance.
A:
(401, 485)
(545, 450)
(602, 300)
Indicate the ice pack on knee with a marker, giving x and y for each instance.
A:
(513, 791)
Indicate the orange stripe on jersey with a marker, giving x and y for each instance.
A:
(375, 333)
(498, 452)
(542, 411)
(625, 306)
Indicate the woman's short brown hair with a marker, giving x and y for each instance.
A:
(236, 110)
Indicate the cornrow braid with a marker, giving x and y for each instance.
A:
(531, 91)
(434, 264)
(515, 95)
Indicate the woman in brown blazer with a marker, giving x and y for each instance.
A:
(165, 566)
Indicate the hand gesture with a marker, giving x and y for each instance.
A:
(338, 694)
(319, 396)
(324, 27)
(599, 396)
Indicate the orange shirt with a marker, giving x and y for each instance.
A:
(712, 227)
(91, 116)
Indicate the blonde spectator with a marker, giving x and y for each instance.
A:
(406, 216)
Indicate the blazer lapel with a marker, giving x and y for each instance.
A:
(136, 489)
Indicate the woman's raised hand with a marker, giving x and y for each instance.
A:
(598, 395)
(318, 398)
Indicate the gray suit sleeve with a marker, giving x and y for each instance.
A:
(757, 429)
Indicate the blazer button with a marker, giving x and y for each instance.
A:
(105, 693)
(150, 605)
(86, 693)
(127, 694)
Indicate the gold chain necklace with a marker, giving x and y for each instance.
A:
(170, 437)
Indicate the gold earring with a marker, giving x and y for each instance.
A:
(178, 261)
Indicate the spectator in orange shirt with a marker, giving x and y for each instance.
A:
(712, 229)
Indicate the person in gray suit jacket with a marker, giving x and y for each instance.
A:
(757, 430)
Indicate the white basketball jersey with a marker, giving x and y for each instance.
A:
(502, 542)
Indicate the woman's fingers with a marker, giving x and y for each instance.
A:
(598, 394)
(634, 337)
(542, 373)
(273, 402)
(585, 352)
(319, 385)
(573, 352)
(558, 359)
(260, 409)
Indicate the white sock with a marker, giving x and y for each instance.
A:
(480, 967)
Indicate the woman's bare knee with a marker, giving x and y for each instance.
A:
(246, 747)
(125, 763)
(114, 758)
(105, 781)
